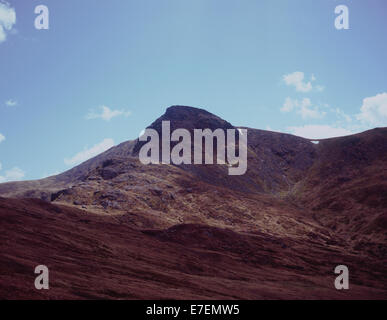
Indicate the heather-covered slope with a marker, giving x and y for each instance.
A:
(346, 189)
(102, 257)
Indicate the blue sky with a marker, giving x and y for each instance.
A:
(106, 69)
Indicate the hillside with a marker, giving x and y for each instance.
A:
(102, 257)
(300, 210)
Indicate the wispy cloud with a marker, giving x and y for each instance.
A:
(13, 174)
(297, 80)
(303, 107)
(2, 138)
(342, 115)
(89, 153)
(107, 114)
(319, 131)
(289, 105)
(11, 103)
(7, 20)
(374, 110)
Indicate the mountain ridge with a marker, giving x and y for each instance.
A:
(327, 198)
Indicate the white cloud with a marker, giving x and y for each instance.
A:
(13, 174)
(303, 107)
(374, 110)
(11, 103)
(307, 111)
(296, 79)
(1, 166)
(318, 131)
(342, 114)
(7, 20)
(107, 114)
(2, 138)
(89, 153)
(289, 105)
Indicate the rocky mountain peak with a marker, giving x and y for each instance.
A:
(190, 118)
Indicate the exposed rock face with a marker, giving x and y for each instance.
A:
(327, 202)
(190, 118)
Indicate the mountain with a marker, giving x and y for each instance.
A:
(301, 209)
(346, 188)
